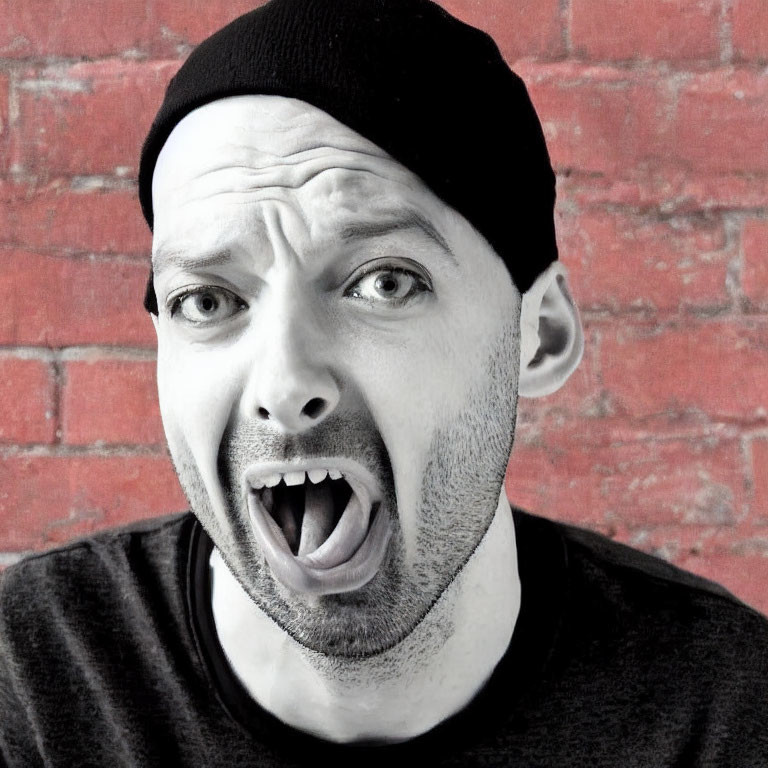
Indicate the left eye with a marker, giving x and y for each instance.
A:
(392, 285)
(206, 305)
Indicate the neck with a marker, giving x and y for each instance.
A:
(396, 695)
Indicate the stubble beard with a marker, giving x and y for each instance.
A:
(456, 508)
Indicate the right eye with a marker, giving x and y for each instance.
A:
(205, 305)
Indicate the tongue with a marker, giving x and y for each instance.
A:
(344, 541)
(318, 519)
(286, 516)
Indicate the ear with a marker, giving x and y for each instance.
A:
(551, 338)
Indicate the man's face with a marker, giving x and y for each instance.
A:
(320, 310)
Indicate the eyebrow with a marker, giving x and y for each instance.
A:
(162, 260)
(404, 221)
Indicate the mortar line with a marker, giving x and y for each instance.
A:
(726, 32)
(565, 27)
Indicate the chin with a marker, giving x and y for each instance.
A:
(357, 624)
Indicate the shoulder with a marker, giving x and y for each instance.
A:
(644, 599)
(99, 623)
(76, 578)
(675, 663)
(587, 548)
(148, 534)
(596, 556)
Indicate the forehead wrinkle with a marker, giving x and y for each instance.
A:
(253, 163)
(293, 154)
(275, 228)
(258, 185)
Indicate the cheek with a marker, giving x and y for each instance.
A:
(421, 374)
(194, 385)
(415, 384)
(197, 389)
(410, 378)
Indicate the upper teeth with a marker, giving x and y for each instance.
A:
(295, 478)
(317, 475)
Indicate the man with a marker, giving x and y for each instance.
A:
(354, 275)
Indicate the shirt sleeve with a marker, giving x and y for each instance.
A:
(18, 743)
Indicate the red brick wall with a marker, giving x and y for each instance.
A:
(656, 115)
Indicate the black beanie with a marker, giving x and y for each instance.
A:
(433, 92)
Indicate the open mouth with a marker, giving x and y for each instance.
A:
(319, 526)
(309, 512)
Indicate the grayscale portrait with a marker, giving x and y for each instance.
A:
(384, 381)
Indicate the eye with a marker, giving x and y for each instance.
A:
(388, 285)
(205, 305)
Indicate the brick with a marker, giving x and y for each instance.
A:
(188, 22)
(671, 191)
(720, 123)
(7, 225)
(584, 409)
(75, 28)
(642, 123)
(58, 301)
(110, 401)
(678, 543)
(760, 477)
(27, 395)
(754, 243)
(90, 118)
(602, 424)
(656, 29)
(46, 500)
(90, 220)
(629, 485)
(525, 28)
(715, 367)
(749, 29)
(744, 575)
(598, 119)
(673, 264)
(554, 481)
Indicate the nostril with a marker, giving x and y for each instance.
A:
(263, 413)
(314, 407)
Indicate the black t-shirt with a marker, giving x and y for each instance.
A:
(109, 657)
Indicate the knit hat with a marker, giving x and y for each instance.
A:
(433, 92)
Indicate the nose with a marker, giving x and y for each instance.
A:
(300, 407)
(291, 386)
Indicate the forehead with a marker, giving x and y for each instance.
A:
(252, 149)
